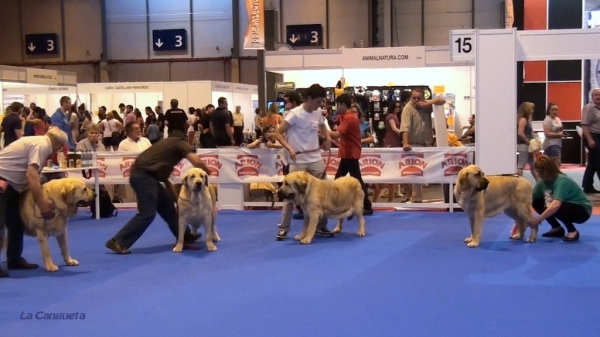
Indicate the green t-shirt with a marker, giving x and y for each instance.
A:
(563, 189)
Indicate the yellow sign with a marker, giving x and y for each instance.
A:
(439, 89)
(255, 34)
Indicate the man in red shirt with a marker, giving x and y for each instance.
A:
(350, 145)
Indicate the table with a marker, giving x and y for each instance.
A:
(95, 171)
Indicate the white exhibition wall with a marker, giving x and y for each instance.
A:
(47, 97)
(189, 94)
(459, 80)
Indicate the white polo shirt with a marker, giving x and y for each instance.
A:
(302, 135)
(16, 158)
(128, 145)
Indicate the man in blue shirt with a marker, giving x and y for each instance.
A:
(61, 119)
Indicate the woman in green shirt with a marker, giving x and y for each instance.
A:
(557, 197)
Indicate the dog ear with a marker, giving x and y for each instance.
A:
(206, 180)
(184, 181)
(464, 180)
(66, 193)
(302, 183)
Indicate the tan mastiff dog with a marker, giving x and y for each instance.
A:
(485, 197)
(64, 194)
(335, 199)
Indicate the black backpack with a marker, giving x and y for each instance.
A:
(107, 209)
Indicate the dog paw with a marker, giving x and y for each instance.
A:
(516, 237)
(305, 241)
(211, 248)
(336, 230)
(530, 240)
(360, 233)
(473, 244)
(216, 238)
(178, 248)
(72, 262)
(469, 239)
(51, 267)
(298, 237)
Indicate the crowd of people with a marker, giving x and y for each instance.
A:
(31, 138)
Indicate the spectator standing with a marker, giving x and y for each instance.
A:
(221, 124)
(11, 127)
(175, 120)
(62, 119)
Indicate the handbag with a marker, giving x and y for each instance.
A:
(73, 158)
(535, 144)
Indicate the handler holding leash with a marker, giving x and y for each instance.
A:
(151, 168)
(301, 126)
(20, 167)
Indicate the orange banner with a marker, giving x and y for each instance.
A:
(255, 35)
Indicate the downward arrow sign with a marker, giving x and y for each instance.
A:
(293, 39)
(31, 47)
(158, 43)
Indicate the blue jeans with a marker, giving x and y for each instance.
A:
(152, 197)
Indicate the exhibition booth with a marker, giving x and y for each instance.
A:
(34, 85)
(189, 94)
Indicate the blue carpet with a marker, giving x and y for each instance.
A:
(410, 276)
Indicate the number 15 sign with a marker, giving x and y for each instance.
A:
(462, 45)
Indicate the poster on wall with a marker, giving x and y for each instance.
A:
(450, 109)
(255, 34)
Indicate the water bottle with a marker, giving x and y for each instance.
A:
(86, 159)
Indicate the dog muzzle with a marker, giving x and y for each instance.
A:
(482, 185)
(283, 196)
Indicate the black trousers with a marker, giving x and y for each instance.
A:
(238, 135)
(223, 142)
(568, 214)
(11, 219)
(152, 198)
(593, 163)
(352, 166)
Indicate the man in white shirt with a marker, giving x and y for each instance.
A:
(134, 141)
(20, 167)
(300, 127)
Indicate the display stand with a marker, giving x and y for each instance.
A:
(197, 94)
(32, 85)
(496, 55)
(398, 66)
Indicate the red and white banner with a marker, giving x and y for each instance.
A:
(242, 165)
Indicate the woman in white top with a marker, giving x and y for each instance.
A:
(553, 132)
(111, 129)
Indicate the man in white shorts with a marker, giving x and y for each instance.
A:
(300, 127)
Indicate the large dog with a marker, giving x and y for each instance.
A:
(197, 207)
(64, 194)
(318, 198)
(483, 196)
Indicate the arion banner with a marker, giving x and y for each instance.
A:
(255, 34)
(242, 165)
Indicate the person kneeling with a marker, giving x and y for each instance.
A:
(557, 197)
